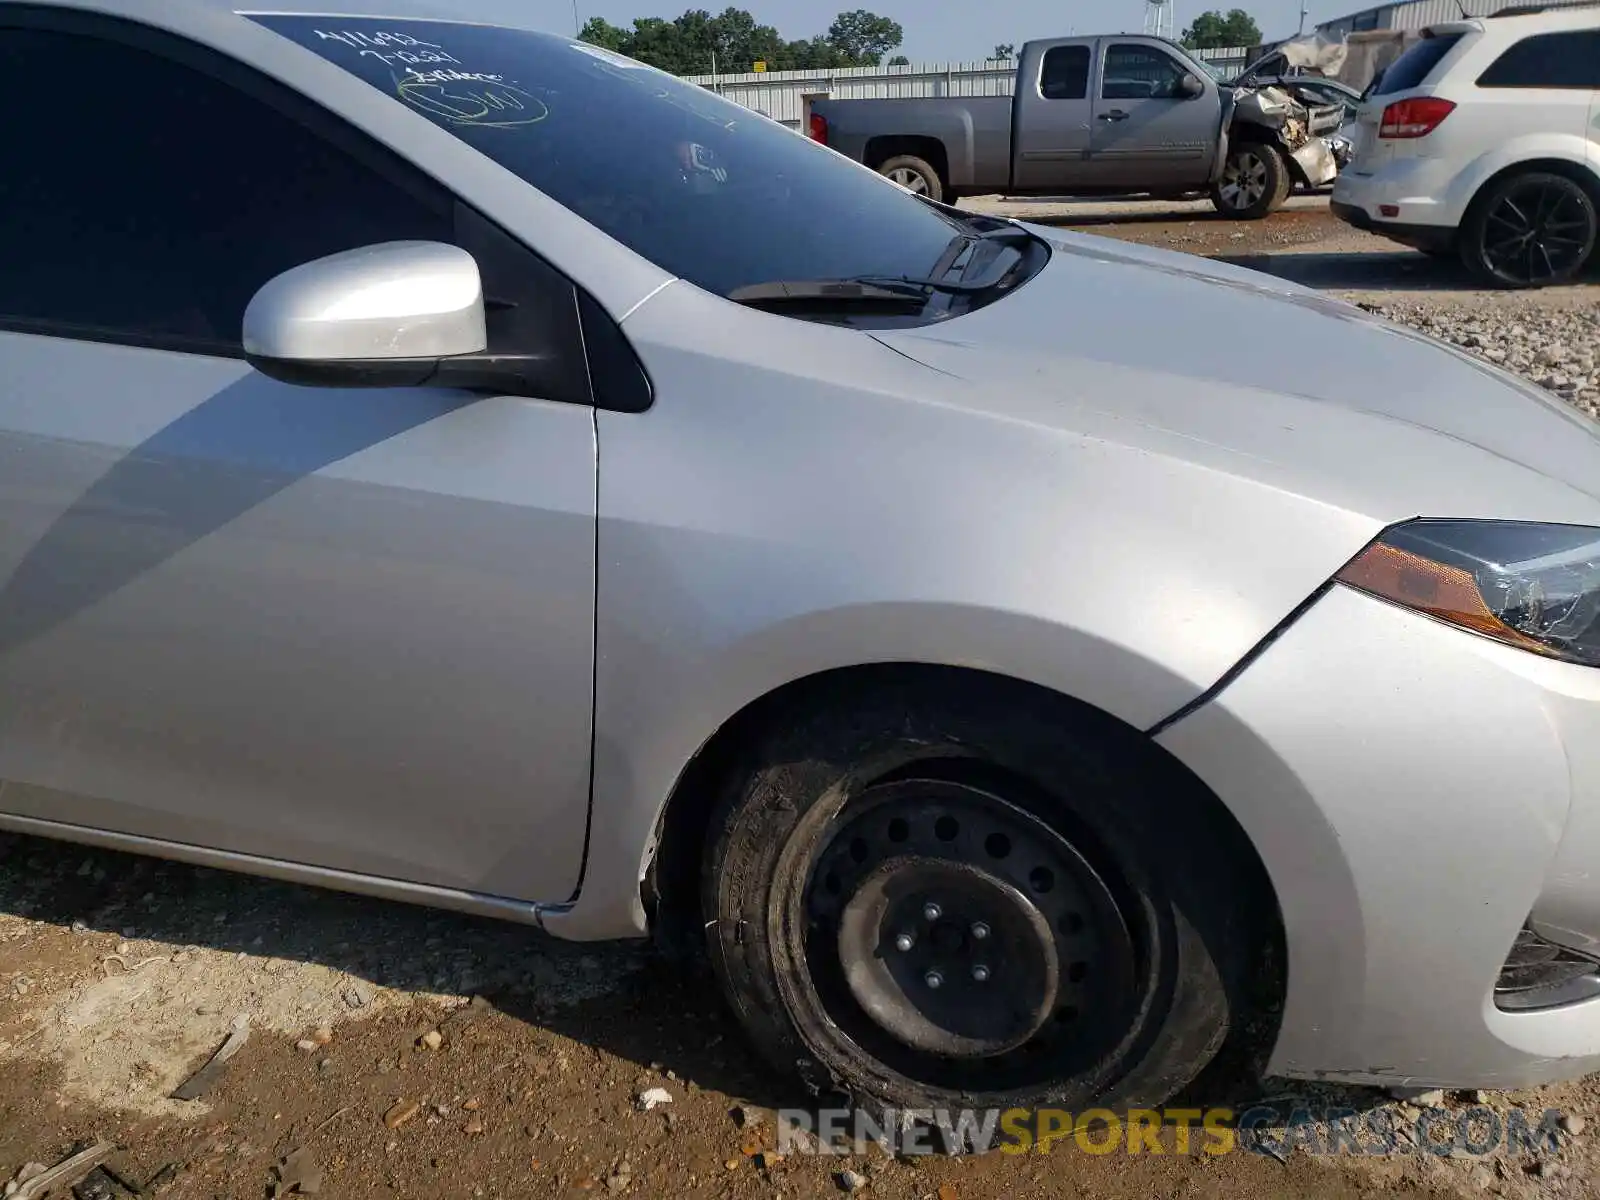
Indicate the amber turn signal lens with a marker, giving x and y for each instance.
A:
(1441, 591)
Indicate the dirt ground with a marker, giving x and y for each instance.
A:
(120, 977)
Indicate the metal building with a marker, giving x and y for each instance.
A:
(1418, 14)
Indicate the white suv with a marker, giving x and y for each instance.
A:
(1483, 139)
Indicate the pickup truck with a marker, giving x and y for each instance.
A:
(1094, 116)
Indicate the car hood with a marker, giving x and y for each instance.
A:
(1257, 376)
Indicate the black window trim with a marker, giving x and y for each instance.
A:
(628, 390)
(1536, 87)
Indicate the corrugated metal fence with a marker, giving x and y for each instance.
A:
(780, 94)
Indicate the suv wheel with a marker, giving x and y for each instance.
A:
(1530, 230)
(1255, 182)
(951, 901)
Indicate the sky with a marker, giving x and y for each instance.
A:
(943, 31)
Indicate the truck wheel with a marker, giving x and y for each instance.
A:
(1530, 230)
(961, 897)
(1255, 182)
(915, 175)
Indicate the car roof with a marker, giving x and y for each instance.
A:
(1519, 20)
(511, 13)
(1587, 13)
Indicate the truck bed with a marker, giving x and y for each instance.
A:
(970, 137)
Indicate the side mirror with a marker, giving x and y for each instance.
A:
(1190, 87)
(397, 314)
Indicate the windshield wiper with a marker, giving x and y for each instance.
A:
(884, 290)
(955, 287)
(1007, 235)
(866, 291)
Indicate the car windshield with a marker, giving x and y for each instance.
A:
(703, 188)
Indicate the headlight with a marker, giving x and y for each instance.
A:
(1528, 585)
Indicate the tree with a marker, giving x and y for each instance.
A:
(899, 60)
(1005, 51)
(1211, 29)
(863, 38)
(598, 31)
(732, 42)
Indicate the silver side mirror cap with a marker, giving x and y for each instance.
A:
(395, 314)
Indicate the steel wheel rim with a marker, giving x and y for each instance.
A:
(1536, 233)
(1045, 989)
(1244, 180)
(910, 179)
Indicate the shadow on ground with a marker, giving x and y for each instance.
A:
(1399, 271)
(620, 998)
(1110, 216)
(1377, 271)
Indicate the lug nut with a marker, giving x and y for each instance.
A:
(933, 979)
(904, 942)
(980, 973)
(980, 930)
(931, 911)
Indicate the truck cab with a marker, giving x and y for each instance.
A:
(1112, 113)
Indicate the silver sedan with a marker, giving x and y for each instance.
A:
(462, 465)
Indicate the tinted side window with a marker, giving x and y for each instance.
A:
(1548, 60)
(148, 201)
(1065, 74)
(1139, 73)
(1412, 67)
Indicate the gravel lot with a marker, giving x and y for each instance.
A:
(119, 977)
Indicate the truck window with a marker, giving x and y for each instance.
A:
(1065, 73)
(1139, 73)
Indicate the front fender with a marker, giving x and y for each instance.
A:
(656, 710)
(1230, 101)
(803, 498)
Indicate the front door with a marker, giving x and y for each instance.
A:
(345, 628)
(1147, 133)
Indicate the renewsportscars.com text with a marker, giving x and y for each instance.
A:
(1274, 1130)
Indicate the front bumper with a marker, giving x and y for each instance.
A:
(1419, 795)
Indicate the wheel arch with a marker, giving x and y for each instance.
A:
(1556, 155)
(931, 150)
(670, 882)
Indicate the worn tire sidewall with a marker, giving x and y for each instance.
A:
(774, 819)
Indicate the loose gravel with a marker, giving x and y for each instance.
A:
(1556, 347)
